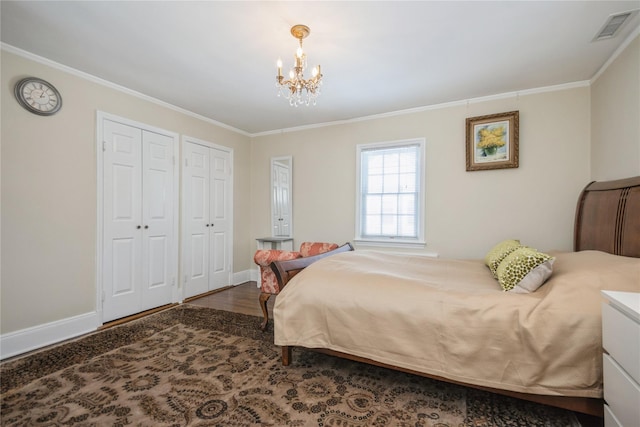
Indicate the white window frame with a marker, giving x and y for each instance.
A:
(417, 242)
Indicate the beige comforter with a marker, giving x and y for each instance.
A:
(450, 318)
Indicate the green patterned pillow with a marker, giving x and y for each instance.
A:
(524, 270)
(499, 252)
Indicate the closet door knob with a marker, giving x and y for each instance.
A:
(139, 227)
(146, 226)
(207, 225)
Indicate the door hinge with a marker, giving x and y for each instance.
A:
(173, 281)
(104, 145)
(174, 160)
(103, 296)
(186, 162)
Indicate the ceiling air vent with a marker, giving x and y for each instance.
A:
(613, 24)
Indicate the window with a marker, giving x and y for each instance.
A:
(390, 194)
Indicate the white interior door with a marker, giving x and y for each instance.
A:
(157, 218)
(281, 200)
(138, 225)
(122, 263)
(196, 216)
(208, 217)
(220, 212)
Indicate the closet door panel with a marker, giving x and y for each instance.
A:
(124, 273)
(219, 195)
(220, 208)
(199, 252)
(158, 249)
(157, 212)
(198, 233)
(196, 217)
(122, 220)
(125, 189)
(219, 259)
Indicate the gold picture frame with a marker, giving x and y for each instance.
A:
(492, 141)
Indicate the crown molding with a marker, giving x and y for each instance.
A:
(440, 106)
(463, 102)
(90, 77)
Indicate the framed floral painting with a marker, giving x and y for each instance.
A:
(492, 141)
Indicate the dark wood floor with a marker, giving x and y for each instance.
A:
(242, 298)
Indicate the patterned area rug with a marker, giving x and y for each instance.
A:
(195, 366)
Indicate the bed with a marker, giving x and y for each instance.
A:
(449, 320)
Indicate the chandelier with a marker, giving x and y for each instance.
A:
(298, 90)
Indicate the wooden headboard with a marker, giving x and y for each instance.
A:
(608, 217)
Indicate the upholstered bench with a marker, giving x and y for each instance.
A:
(268, 282)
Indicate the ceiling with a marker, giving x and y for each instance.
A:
(217, 58)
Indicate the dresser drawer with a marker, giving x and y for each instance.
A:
(621, 393)
(621, 339)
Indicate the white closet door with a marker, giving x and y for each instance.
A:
(220, 211)
(157, 219)
(122, 264)
(196, 217)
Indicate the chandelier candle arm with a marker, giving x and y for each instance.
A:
(297, 90)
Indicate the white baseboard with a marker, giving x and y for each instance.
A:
(250, 275)
(19, 342)
(255, 276)
(243, 277)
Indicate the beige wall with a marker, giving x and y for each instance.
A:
(466, 212)
(615, 117)
(48, 177)
(49, 192)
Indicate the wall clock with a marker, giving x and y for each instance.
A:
(38, 96)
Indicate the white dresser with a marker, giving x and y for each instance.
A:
(621, 358)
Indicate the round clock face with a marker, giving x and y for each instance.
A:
(38, 96)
